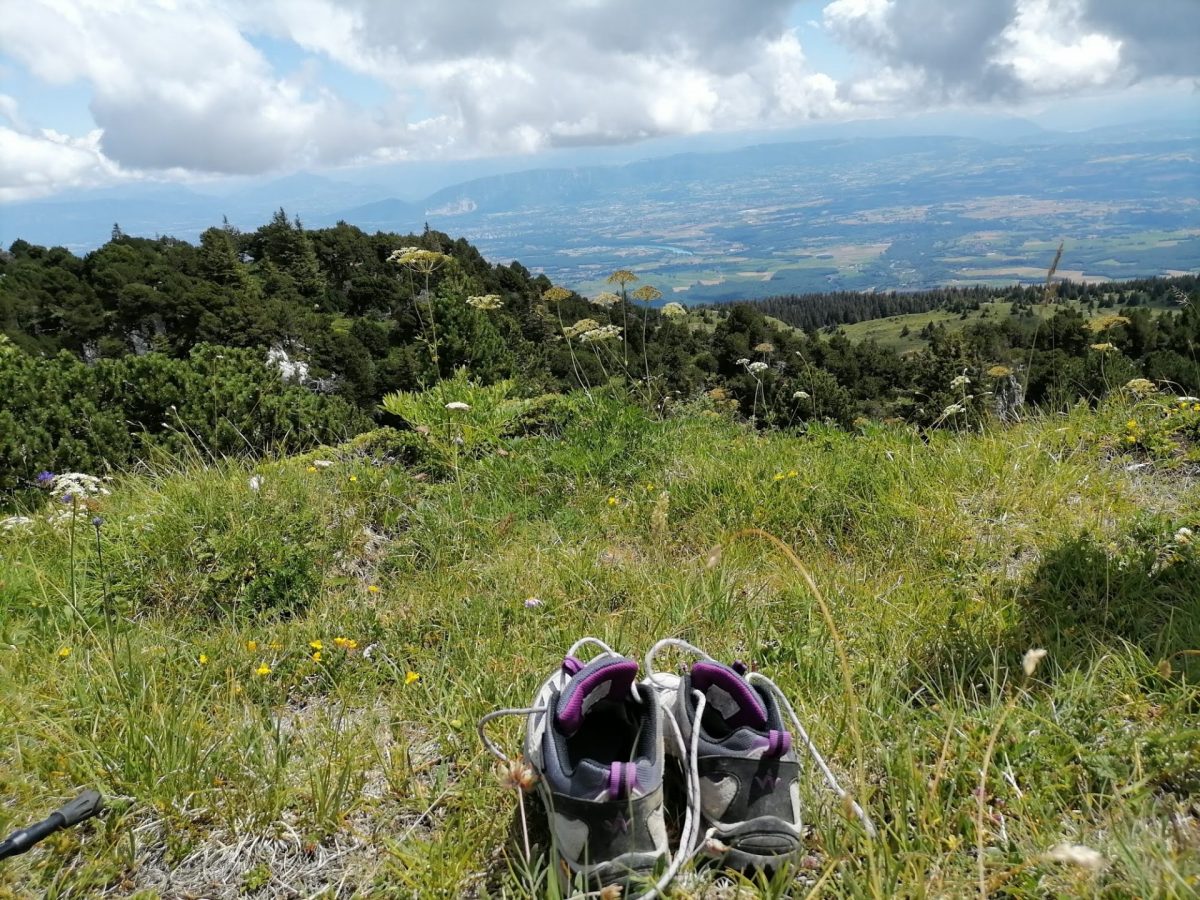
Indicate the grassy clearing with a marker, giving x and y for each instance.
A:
(887, 331)
(277, 688)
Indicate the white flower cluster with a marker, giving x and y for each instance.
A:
(12, 523)
(485, 301)
(418, 257)
(1143, 387)
(756, 367)
(673, 310)
(603, 333)
(800, 395)
(961, 381)
(77, 485)
(291, 370)
(607, 298)
(583, 326)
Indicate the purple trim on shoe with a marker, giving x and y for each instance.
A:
(777, 743)
(622, 780)
(750, 712)
(614, 780)
(617, 674)
(572, 666)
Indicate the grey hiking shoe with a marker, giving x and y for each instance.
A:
(744, 767)
(595, 740)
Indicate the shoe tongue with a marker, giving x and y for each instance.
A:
(730, 695)
(607, 678)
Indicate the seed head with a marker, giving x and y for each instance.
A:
(1075, 855)
(516, 774)
(1031, 661)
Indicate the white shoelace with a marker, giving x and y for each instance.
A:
(691, 818)
(655, 679)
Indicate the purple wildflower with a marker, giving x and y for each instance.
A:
(97, 521)
(67, 499)
(44, 478)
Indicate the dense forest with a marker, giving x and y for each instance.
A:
(283, 337)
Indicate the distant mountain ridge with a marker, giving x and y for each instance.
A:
(773, 217)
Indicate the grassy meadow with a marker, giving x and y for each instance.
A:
(887, 331)
(273, 671)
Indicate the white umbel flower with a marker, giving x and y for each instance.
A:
(78, 485)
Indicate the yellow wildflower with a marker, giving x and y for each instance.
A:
(251, 646)
(317, 644)
(1131, 424)
(316, 657)
(203, 660)
(311, 469)
(353, 478)
(411, 677)
(373, 589)
(612, 501)
(64, 652)
(792, 473)
(262, 670)
(274, 645)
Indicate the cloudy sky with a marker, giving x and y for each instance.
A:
(94, 92)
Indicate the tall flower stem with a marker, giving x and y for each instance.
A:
(624, 277)
(556, 295)
(109, 623)
(74, 516)
(647, 294)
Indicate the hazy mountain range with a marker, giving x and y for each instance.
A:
(861, 208)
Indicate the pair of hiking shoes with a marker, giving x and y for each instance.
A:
(597, 739)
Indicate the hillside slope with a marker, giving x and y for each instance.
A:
(275, 673)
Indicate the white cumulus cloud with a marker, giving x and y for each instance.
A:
(183, 87)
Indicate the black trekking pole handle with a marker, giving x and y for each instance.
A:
(86, 805)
